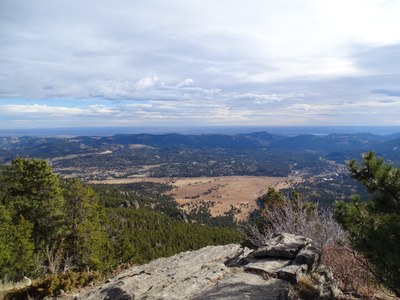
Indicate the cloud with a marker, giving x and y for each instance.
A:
(221, 62)
(186, 82)
(147, 82)
(39, 109)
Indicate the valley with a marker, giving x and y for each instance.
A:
(157, 195)
(219, 194)
(219, 173)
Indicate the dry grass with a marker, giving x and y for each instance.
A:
(241, 192)
(306, 288)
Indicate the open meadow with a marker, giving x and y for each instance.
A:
(221, 193)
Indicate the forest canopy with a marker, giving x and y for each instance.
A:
(51, 225)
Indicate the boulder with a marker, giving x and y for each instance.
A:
(291, 273)
(135, 204)
(282, 245)
(309, 257)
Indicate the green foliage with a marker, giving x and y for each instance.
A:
(142, 235)
(374, 226)
(149, 195)
(16, 247)
(31, 190)
(62, 226)
(146, 194)
(85, 238)
(271, 199)
(327, 190)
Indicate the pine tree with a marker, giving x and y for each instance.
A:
(86, 241)
(374, 225)
(16, 247)
(30, 189)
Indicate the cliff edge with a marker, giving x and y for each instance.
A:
(286, 267)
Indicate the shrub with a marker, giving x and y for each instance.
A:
(51, 285)
(350, 268)
(297, 216)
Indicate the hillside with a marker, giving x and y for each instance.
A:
(176, 155)
(65, 233)
(314, 164)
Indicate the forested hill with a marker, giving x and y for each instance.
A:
(176, 155)
(55, 146)
(50, 226)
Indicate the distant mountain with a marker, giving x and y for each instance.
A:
(342, 147)
(158, 155)
(330, 142)
(322, 144)
(389, 149)
(204, 141)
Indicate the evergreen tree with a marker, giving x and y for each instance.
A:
(30, 189)
(86, 241)
(16, 247)
(374, 225)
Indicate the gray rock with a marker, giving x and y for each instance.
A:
(291, 273)
(117, 293)
(183, 216)
(135, 204)
(126, 203)
(308, 257)
(282, 245)
(181, 276)
(268, 265)
(240, 259)
(246, 286)
(224, 272)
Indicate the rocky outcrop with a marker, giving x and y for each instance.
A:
(287, 267)
(25, 282)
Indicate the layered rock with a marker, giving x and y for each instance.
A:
(286, 267)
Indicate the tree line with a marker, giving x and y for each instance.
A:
(52, 225)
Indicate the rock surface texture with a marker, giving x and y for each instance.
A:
(287, 267)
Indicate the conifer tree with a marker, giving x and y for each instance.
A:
(30, 189)
(16, 247)
(374, 225)
(86, 241)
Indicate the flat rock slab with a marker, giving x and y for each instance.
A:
(181, 276)
(267, 265)
(222, 272)
(282, 245)
(246, 286)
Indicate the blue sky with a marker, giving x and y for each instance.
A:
(199, 63)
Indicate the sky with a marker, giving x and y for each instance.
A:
(185, 63)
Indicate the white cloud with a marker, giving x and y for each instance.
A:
(147, 82)
(238, 60)
(186, 82)
(39, 109)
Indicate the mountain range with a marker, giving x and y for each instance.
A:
(190, 155)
